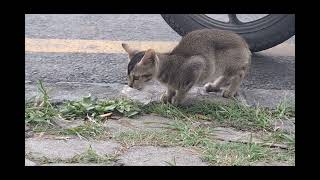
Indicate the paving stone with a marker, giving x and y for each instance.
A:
(72, 91)
(73, 164)
(230, 134)
(65, 124)
(274, 163)
(287, 126)
(27, 162)
(159, 156)
(225, 135)
(63, 91)
(143, 123)
(64, 149)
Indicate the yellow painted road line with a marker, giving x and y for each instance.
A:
(105, 46)
(92, 46)
(284, 49)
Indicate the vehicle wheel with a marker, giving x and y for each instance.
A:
(260, 34)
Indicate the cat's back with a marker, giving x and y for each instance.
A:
(207, 41)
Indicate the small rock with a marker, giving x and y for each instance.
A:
(136, 95)
(67, 124)
(285, 125)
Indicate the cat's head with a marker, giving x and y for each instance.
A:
(141, 66)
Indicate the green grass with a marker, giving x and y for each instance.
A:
(284, 110)
(238, 154)
(232, 115)
(183, 131)
(235, 115)
(88, 106)
(88, 130)
(179, 134)
(214, 152)
(188, 134)
(90, 156)
(40, 115)
(234, 154)
(145, 138)
(287, 156)
(41, 112)
(282, 138)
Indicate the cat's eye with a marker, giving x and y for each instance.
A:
(147, 75)
(135, 77)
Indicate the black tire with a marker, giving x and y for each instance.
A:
(261, 34)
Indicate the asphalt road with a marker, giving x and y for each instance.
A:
(267, 71)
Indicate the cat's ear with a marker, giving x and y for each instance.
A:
(129, 50)
(149, 56)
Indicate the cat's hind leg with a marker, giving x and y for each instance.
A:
(235, 81)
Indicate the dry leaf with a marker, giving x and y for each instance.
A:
(106, 115)
(62, 138)
(115, 117)
(42, 103)
(200, 116)
(41, 134)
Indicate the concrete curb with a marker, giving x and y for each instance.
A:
(63, 91)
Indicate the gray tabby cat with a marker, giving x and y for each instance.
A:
(216, 57)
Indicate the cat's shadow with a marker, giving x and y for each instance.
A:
(270, 72)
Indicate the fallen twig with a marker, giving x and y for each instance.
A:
(272, 145)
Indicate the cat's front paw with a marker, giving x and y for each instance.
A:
(210, 88)
(228, 94)
(164, 98)
(175, 101)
